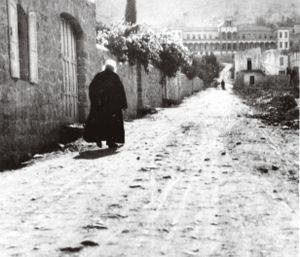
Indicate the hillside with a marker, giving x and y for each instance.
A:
(160, 13)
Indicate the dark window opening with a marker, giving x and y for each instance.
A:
(281, 72)
(252, 80)
(249, 64)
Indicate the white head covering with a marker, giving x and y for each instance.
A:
(110, 63)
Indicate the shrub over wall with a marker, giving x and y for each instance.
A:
(136, 43)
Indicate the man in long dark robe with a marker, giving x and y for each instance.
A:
(105, 121)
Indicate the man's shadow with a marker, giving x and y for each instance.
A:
(96, 154)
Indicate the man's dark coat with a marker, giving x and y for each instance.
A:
(105, 121)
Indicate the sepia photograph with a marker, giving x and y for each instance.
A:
(149, 128)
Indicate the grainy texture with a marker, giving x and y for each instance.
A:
(205, 186)
(31, 115)
(152, 88)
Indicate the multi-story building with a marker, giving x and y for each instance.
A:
(283, 38)
(228, 38)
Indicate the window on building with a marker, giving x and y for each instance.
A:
(285, 34)
(281, 72)
(22, 43)
(244, 36)
(286, 44)
(194, 37)
(265, 36)
(280, 34)
(249, 64)
(281, 61)
(199, 36)
(259, 36)
(252, 80)
(280, 45)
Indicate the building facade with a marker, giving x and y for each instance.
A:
(248, 60)
(48, 57)
(283, 38)
(248, 66)
(274, 62)
(228, 38)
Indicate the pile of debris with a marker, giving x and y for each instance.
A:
(281, 110)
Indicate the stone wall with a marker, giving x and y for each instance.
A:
(187, 87)
(152, 88)
(173, 88)
(128, 75)
(31, 115)
(180, 86)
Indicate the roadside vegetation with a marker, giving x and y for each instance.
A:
(137, 44)
(275, 101)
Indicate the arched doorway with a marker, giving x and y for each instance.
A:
(71, 34)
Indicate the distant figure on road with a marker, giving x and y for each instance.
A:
(105, 121)
(223, 84)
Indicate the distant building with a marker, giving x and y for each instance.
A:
(249, 60)
(296, 29)
(283, 38)
(274, 62)
(248, 66)
(228, 38)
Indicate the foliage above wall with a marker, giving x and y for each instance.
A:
(140, 44)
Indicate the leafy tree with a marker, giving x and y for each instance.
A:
(130, 13)
(206, 67)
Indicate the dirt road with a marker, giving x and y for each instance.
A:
(200, 179)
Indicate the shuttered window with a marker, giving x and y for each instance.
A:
(13, 39)
(33, 53)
